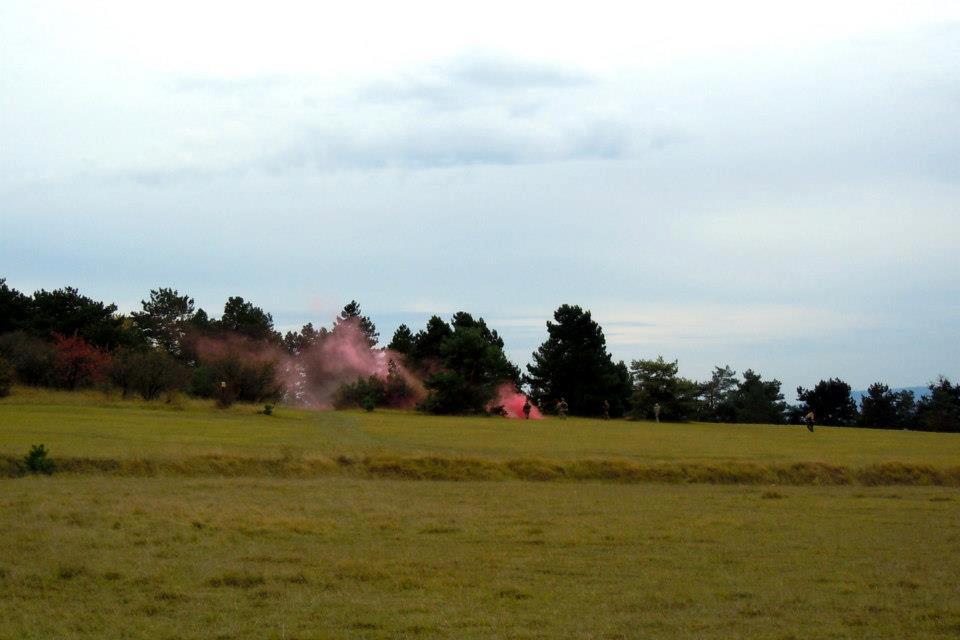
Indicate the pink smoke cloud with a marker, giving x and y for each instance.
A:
(512, 402)
(312, 378)
(341, 357)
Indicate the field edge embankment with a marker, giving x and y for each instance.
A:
(454, 468)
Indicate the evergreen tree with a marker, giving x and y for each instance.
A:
(940, 411)
(905, 405)
(657, 382)
(573, 364)
(879, 407)
(66, 312)
(201, 322)
(352, 315)
(472, 367)
(240, 316)
(164, 319)
(14, 309)
(296, 342)
(756, 401)
(830, 402)
(716, 394)
(403, 340)
(427, 342)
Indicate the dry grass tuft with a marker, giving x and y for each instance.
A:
(237, 580)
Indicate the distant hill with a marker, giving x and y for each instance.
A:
(918, 392)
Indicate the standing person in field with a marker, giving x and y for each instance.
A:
(808, 420)
(526, 408)
(656, 412)
(562, 409)
(606, 409)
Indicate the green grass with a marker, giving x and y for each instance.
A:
(92, 425)
(226, 541)
(96, 556)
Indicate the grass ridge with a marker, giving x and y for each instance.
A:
(462, 468)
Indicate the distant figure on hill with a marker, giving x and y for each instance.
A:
(656, 412)
(808, 420)
(562, 408)
(526, 408)
(606, 409)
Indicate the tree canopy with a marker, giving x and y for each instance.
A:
(402, 341)
(472, 365)
(940, 411)
(351, 315)
(757, 401)
(656, 383)
(830, 401)
(164, 319)
(243, 318)
(573, 364)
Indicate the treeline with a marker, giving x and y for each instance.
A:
(573, 365)
(64, 339)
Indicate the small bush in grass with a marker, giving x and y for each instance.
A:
(267, 410)
(37, 460)
(368, 404)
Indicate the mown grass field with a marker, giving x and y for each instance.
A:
(91, 424)
(93, 555)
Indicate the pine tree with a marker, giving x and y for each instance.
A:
(403, 341)
(830, 401)
(352, 315)
(573, 364)
(164, 319)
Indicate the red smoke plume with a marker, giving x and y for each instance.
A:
(512, 403)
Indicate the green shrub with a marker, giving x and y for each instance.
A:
(37, 461)
(363, 393)
(267, 410)
(32, 358)
(6, 377)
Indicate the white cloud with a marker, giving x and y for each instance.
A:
(725, 325)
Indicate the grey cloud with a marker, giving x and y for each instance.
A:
(467, 80)
(505, 73)
(455, 144)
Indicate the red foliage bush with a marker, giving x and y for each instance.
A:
(77, 363)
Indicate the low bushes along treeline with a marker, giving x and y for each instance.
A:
(64, 339)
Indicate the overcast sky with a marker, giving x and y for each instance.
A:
(747, 183)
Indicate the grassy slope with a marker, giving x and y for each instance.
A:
(94, 556)
(92, 425)
(90, 556)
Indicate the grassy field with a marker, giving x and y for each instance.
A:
(92, 555)
(90, 424)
